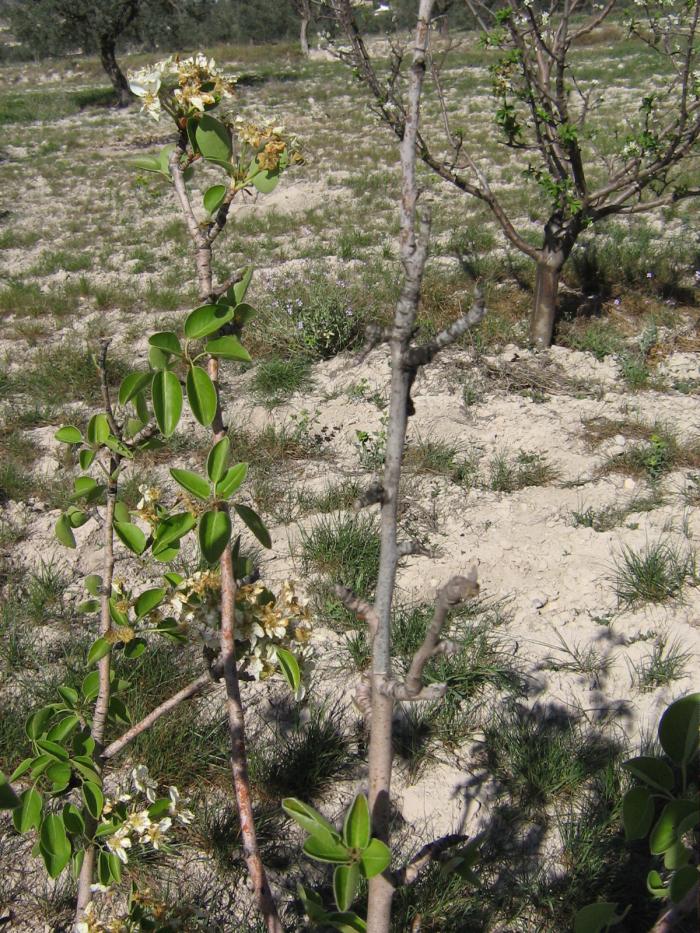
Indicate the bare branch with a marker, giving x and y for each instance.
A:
(454, 592)
(431, 852)
(362, 609)
(374, 335)
(407, 548)
(419, 356)
(232, 280)
(371, 496)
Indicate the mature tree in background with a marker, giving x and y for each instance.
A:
(548, 110)
(55, 26)
(305, 13)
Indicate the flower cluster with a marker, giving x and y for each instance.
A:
(263, 622)
(181, 88)
(272, 148)
(139, 823)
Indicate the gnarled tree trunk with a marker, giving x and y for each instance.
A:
(559, 238)
(304, 35)
(116, 75)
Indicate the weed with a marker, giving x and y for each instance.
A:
(371, 448)
(304, 759)
(65, 373)
(579, 659)
(599, 337)
(665, 664)
(507, 474)
(431, 456)
(277, 378)
(611, 516)
(653, 575)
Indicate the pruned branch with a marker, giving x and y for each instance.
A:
(454, 592)
(408, 548)
(371, 496)
(431, 852)
(420, 356)
(360, 607)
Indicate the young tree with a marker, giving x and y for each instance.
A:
(305, 14)
(547, 110)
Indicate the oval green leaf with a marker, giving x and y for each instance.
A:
(213, 197)
(678, 729)
(326, 848)
(201, 394)
(345, 881)
(207, 320)
(214, 534)
(232, 481)
(148, 600)
(652, 771)
(98, 428)
(255, 523)
(132, 385)
(54, 844)
(173, 528)
(375, 858)
(167, 401)
(167, 341)
(356, 829)
(217, 459)
(308, 818)
(94, 799)
(228, 348)
(682, 883)
(213, 139)
(64, 532)
(193, 483)
(289, 667)
(98, 650)
(597, 918)
(637, 813)
(8, 798)
(671, 823)
(28, 814)
(69, 435)
(131, 536)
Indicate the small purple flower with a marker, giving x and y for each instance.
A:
(617, 301)
(650, 275)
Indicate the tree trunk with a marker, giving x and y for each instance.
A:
(116, 75)
(544, 306)
(304, 35)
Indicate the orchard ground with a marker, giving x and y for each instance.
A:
(571, 478)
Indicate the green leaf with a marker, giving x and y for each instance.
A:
(207, 320)
(232, 481)
(118, 710)
(53, 748)
(345, 881)
(326, 848)
(290, 668)
(192, 124)
(54, 844)
(655, 885)
(131, 536)
(213, 139)
(164, 159)
(173, 528)
(93, 583)
(238, 289)
(308, 818)
(68, 695)
(85, 458)
(375, 858)
(597, 918)
(254, 522)
(266, 181)
(356, 829)
(652, 771)
(214, 534)
(98, 650)
(116, 445)
(158, 359)
(64, 532)
(69, 435)
(682, 883)
(76, 863)
(86, 488)
(121, 514)
(28, 814)
(193, 483)
(346, 922)
(668, 826)
(637, 813)
(132, 385)
(94, 799)
(22, 768)
(148, 600)
(8, 798)
(73, 819)
(35, 725)
(678, 729)
(59, 773)
(77, 517)
(63, 728)
(98, 428)
(201, 394)
(146, 164)
(135, 648)
(167, 401)
(228, 348)
(40, 764)
(217, 459)
(677, 856)
(213, 197)
(90, 685)
(166, 341)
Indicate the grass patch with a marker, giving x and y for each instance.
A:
(276, 379)
(611, 516)
(665, 664)
(655, 574)
(65, 373)
(509, 473)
